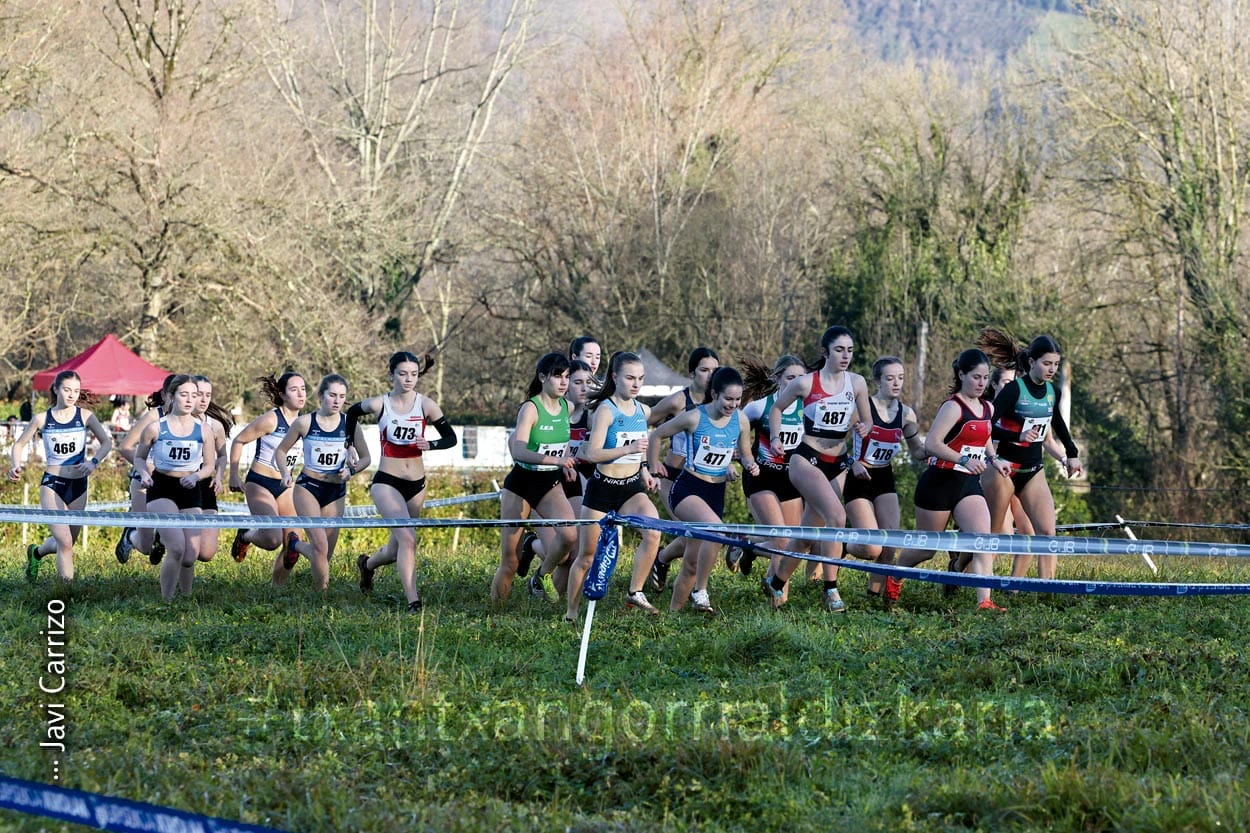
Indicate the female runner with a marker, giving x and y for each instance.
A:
(181, 456)
(146, 541)
(580, 381)
(218, 424)
(539, 447)
(321, 490)
(398, 488)
(64, 428)
(870, 494)
(716, 429)
(960, 450)
(586, 349)
(834, 400)
(620, 482)
(1027, 413)
(770, 495)
(263, 489)
(702, 364)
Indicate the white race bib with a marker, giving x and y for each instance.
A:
(974, 452)
(879, 453)
(624, 438)
(713, 459)
(1042, 424)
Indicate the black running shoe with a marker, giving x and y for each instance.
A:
(366, 574)
(158, 550)
(123, 548)
(748, 558)
(526, 557)
(658, 579)
(238, 547)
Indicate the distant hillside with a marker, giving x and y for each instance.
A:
(963, 32)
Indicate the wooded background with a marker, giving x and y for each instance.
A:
(236, 187)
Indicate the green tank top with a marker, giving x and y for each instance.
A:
(549, 436)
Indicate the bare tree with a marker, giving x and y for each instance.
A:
(395, 103)
(1158, 100)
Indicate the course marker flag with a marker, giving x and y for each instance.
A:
(595, 587)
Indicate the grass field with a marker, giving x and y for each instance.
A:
(337, 712)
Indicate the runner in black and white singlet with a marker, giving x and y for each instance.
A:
(398, 488)
(180, 458)
(263, 489)
(218, 424)
(64, 428)
(321, 489)
(145, 541)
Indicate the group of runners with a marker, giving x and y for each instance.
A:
(815, 445)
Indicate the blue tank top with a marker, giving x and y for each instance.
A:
(325, 451)
(64, 443)
(712, 448)
(624, 430)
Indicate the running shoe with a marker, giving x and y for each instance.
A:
(366, 574)
(32, 563)
(414, 606)
(540, 588)
(775, 597)
(290, 555)
(893, 587)
(637, 601)
(989, 605)
(748, 558)
(701, 602)
(658, 579)
(158, 550)
(952, 566)
(123, 548)
(832, 601)
(238, 547)
(526, 557)
(733, 556)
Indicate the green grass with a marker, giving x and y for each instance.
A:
(335, 712)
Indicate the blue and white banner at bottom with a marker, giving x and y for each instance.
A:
(105, 813)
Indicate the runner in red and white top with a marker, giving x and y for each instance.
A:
(835, 401)
(398, 488)
(960, 450)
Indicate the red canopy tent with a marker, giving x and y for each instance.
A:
(108, 367)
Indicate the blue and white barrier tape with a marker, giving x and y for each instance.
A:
(155, 520)
(105, 813)
(967, 542)
(725, 534)
(241, 508)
